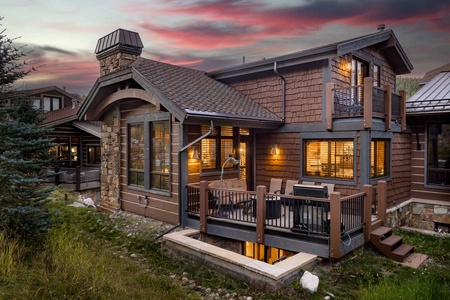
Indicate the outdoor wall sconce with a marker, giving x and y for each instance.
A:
(194, 154)
(275, 150)
(348, 66)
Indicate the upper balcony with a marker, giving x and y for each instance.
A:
(366, 101)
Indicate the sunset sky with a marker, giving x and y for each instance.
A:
(61, 35)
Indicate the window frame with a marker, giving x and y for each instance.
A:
(218, 138)
(427, 167)
(308, 136)
(148, 121)
(52, 98)
(387, 158)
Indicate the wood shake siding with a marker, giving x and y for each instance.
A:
(161, 207)
(303, 92)
(286, 165)
(399, 188)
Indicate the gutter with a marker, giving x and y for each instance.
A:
(179, 185)
(283, 92)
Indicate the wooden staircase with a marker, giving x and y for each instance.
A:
(390, 245)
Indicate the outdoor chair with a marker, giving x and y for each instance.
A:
(288, 190)
(275, 185)
(308, 183)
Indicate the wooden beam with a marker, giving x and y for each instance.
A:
(335, 225)
(260, 213)
(368, 102)
(388, 107)
(329, 105)
(403, 109)
(367, 215)
(203, 205)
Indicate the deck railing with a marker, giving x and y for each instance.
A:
(74, 176)
(365, 101)
(334, 218)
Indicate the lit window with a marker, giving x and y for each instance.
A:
(379, 158)
(217, 147)
(149, 170)
(329, 158)
(94, 155)
(438, 154)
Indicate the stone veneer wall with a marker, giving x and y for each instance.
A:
(110, 157)
(116, 62)
(421, 215)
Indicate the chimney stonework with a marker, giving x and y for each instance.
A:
(118, 50)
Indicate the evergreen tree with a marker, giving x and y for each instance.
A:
(409, 84)
(23, 152)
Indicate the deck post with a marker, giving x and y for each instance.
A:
(402, 94)
(388, 107)
(329, 104)
(203, 205)
(382, 200)
(368, 102)
(367, 214)
(260, 213)
(335, 225)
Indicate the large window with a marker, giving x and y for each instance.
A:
(51, 103)
(217, 147)
(149, 169)
(379, 158)
(438, 154)
(329, 158)
(94, 155)
(360, 70)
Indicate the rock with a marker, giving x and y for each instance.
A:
(309, 282)
(89, 202)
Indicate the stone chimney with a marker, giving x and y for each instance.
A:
(118, 50)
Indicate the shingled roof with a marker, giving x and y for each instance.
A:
(432, 98)
(195, 93)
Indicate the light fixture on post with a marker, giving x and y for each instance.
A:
(275, 150)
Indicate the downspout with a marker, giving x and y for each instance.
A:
(283, 92)
(179, 185)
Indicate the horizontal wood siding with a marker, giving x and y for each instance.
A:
(399, 189)
(160, 207)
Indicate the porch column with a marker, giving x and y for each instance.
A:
(388, 107)
(329, 103)
(368, 102)
(203, 205)
(335, 225)
(260, 213)
(402, 94)
(367, 214)
(382, 200)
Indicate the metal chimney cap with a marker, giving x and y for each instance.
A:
(381, 27)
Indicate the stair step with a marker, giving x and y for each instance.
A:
(390, 242)
(382, 231)
(401, 251)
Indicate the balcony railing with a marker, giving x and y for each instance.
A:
(335, 218)
(365, 101)
(78, 178)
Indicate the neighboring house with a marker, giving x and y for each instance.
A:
(327, 115)
(428, 114)
(76, 144)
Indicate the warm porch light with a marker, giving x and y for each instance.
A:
(275, 150)
(348, 66)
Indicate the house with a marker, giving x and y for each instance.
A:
(76, 144)
(428, 115)
(327, 115)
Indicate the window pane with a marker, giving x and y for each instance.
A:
(438, 155)
(93, 155)
(379, 158)
(160, 156)
(209, 153)
(47, 104)
(136, 154)
(37, 103)
(226, 131)
(226, 146)
(376, 75)
(55, 103)
(332, 159)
